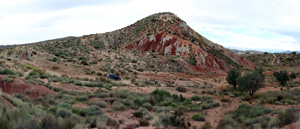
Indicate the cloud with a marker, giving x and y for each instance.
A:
(253, 24)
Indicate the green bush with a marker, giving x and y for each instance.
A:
(61, 112)
(64, 105)
(198, 117)
(93, 110)
(49, 122)
(286, 97)
(68, 123)
(144, 122)
(287, 117)
(102, 104)
(181, 89)
(207, 125)
(165, 119)
(82, 98)
(201, 98)
(19, 96)
(159, 95)
(246, 115)
(225, 99)
(6, 72)
(293, 75)
(248, 111)
(138, 114)
(83, 62)
(8, 78)
(78, 83)
(147, 105)
(118, 106)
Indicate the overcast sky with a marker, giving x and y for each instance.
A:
(268, 25)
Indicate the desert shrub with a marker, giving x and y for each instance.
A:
(20, 74)
(68, 123)
(129, 103)
(6, 72)
(165, 119)
(101, 104)
(246, 115)
(147, 105)
(54, 59)
(93, 110)
(201, 98)
(64, 105)
(78, 83)
(19, 96)
(49, 122)
(138, 114)
(7, 78)
(133, 80)
(61, 112)
(293, 75)
(159, 95)
(93, 84)
(286, 97)
(99, 121)
(55, 67)
(82, 98)
(44, 76)
(4, 123)
(120, 94)
(53, 109)
(83, 62)
(198, 117)
(229, 123)
(225, 99)
(207, 125)
(118, 106)
(248, 111)
(144, 122)
(287, 117)
(181, 89)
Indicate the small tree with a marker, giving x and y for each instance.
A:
(293, 76)
(251, 82)
(233, 74)
(282, 76)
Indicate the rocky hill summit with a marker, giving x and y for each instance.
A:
(162, 33)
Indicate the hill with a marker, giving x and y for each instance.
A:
(162, 33)
(171, 76)
(239, 52)
(275, 59)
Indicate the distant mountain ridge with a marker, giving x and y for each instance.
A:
(289, 52)
(6, 46)
(236, 51)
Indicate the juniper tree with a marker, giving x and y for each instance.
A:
(233, 74)
(251, 82)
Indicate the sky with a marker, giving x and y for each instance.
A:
(265, 25)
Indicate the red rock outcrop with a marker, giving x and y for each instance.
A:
(32, 90)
